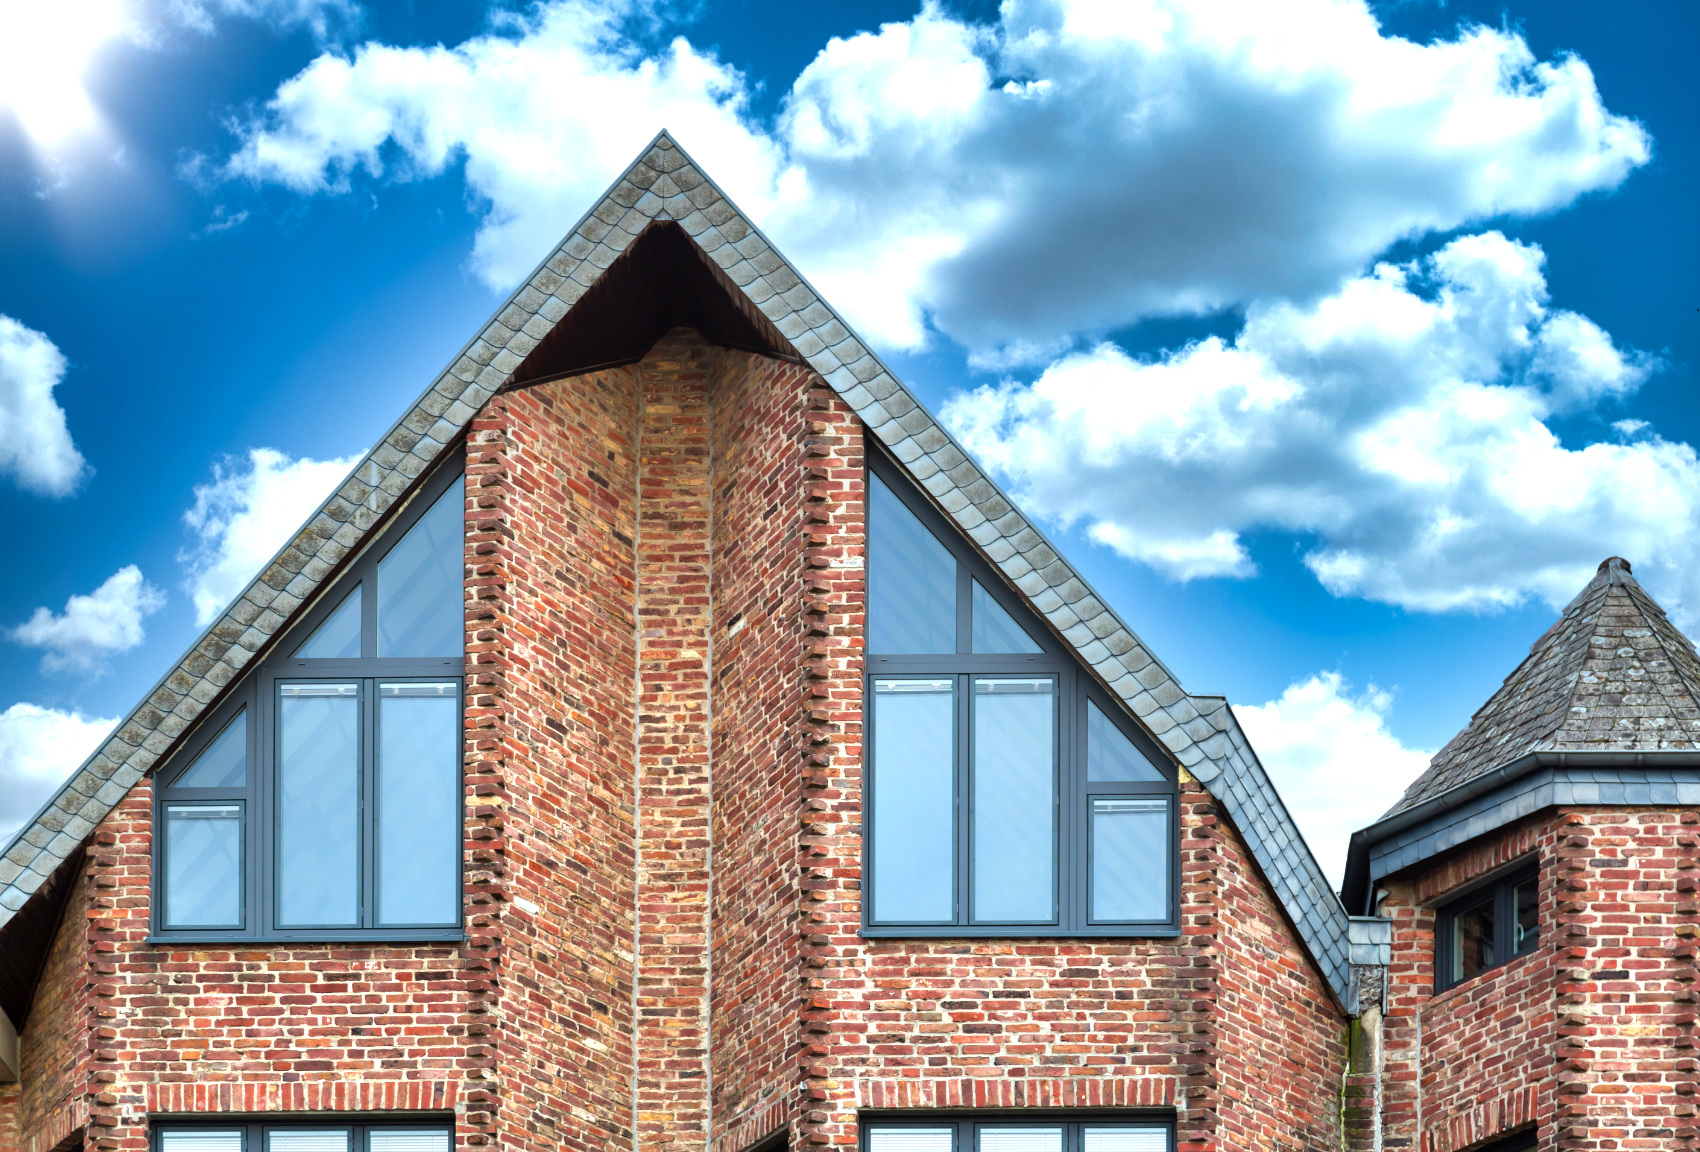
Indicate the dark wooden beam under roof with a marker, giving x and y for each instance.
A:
(663, 280)
(27, 937)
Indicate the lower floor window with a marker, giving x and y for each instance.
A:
(1009, 1134)
(303, 1136)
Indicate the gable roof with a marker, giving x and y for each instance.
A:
(1612, 674)
(665, 186)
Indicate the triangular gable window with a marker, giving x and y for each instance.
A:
(421, 610)
(339, 637)
(224, 763)
(1008, 793)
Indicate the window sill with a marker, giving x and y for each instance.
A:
(1019, 931)
(402, 937)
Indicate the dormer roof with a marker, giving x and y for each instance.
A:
(592, 303)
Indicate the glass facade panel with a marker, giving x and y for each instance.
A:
(1472, 939)
(421, 608)
(1130, 858)
(224, 762)
(911, 580)
(1110, 755)
(419, 804)
(914, 803)
(1014, 782)
(1120, 1139)
(203, 865)
(1525, 916)
(338, 638)
(318, 806)
(995, 631)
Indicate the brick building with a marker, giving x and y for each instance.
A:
(666, 737)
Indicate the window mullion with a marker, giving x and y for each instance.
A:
(964, 801)
(368, 805)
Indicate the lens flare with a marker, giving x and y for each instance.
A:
(46, 49)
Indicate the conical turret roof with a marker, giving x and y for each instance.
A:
(1613, 674)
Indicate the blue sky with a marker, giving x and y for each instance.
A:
(1336, 343)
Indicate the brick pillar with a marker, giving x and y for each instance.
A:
(671, 1083)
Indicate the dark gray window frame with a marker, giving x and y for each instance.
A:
(257, 693)
(253, 1127)
(1075, 686)
(968, 1124)
(1502, 884)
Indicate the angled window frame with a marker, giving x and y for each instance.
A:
(967, 1125)
(1075, 685)
(257, 693)
(1501, 886)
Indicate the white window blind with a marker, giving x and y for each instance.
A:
(1126, 1140)
(308, 1140)
(407, 1140)
(1021, 1140)
(910, 1139)
(200, 1140)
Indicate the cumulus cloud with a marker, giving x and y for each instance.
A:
(1400, 423)
(321, 17)
(1071, 167)
(245, 515)
(93, 627)
(1332, 757)
(35, 444)
(39, 749)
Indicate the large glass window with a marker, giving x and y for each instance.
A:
(1487, 926)
(325, 800)
(1007, 793)
(295, 1135)
(1010, 1134)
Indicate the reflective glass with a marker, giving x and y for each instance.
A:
(1125, 1140)
(419, 803)
(407, 1140)
(309, 1140)
(911, 580)
(224, 762)
(1110, 755)
(200, 1140)
(996, 630)
(338, 638)
(1526, 928)
(914, 801)
(1021, 1139)
(906, 1139)
(1014, 788)
(203, 865)
(1472, 939)
(318, 805)
(420, 600)
(1130, 859)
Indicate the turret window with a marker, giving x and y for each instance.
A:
(1486, 927)
(1008, 793)
(323, 800)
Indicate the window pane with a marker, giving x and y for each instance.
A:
(200, 1140)
(338, 638)
(996, 630)
(308, 1139)
(419, 804)
(1021, 1139)
(1125, 1140)
(203, 865)
(906, 1139)
(318, 805)
(1472, 939)
(407, 1140)
(911, 580)
(1014, 782)
(1110, 755)
(914, 802)
(420, 603)
(224, 762)
(1526, 900)
(1130, 858)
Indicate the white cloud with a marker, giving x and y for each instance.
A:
(322, 17)
(39, 748)
(246, 515)
(1333, 760)
(1072, 167)
(93, 627)
(1400, 423)
(35, 445)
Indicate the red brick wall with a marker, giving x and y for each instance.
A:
(53, 1047)
(552, 475)
(765, 436)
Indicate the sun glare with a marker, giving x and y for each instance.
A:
(46, 48)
